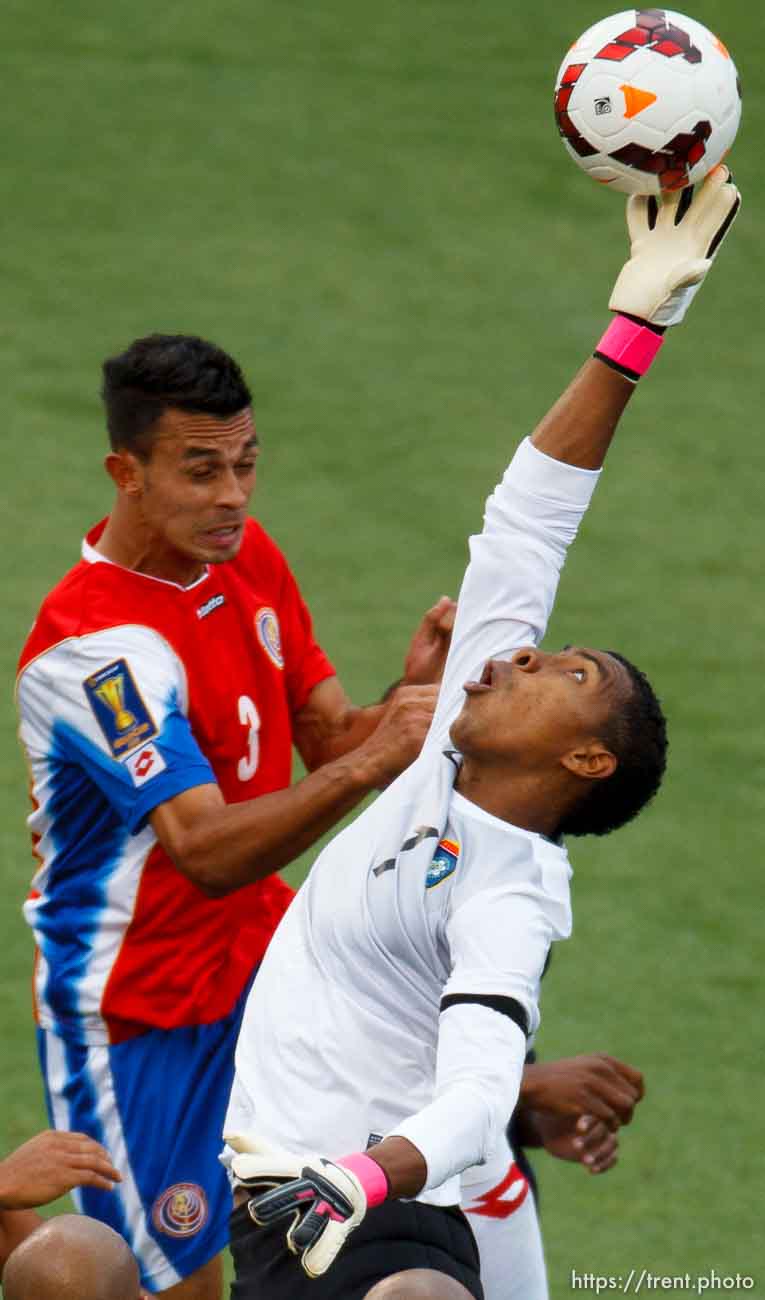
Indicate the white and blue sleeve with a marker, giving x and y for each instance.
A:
(113, 704)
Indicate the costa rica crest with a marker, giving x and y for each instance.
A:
(181, 1210)
(269, 636)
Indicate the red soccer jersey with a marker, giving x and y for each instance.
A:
(132, 689)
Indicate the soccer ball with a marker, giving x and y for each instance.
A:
(647, 100)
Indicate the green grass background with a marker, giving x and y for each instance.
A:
(369, 206)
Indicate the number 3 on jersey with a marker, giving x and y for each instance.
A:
(250, 718)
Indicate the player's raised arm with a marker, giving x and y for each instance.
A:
(330, 726)
(673, 246)
(533, 515)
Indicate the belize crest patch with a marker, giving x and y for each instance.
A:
(267, 628)
(444, 863)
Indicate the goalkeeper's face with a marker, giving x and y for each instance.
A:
(192, 491)
(537, 710)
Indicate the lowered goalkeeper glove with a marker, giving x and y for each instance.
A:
(674, 243)
(325, 1199)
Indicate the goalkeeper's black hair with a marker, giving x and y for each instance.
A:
(167, 370)
(636, 734)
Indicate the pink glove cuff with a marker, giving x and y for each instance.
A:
(372, 1177)
(629, 347)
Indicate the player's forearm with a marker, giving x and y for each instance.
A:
(531, 1085)
(478, 1075)
(580, 426)
(507, 595)
(329, 726)
(323, 744)
(15, 1226)
(223, 847)
(526, 1129)
(403, 1164)
(461, 1128)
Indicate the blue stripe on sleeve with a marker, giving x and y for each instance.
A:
(186, 767)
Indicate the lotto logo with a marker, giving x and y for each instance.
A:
(145, 764)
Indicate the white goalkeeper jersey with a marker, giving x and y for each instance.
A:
(398, 992)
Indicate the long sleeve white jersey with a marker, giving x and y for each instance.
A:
(398, 992)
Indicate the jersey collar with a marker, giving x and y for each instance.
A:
(91, 556)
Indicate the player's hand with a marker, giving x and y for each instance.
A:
(398, 736)
(430, 644)
(51, 1164)
(596, 1085)
(587, 1141)
(674, 242)
(324, 1199)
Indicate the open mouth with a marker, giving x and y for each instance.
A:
(224, 535)
(485, 681)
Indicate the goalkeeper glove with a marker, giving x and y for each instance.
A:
(325, 1199)
(674, 243)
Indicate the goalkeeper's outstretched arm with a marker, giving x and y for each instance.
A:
(673, 245)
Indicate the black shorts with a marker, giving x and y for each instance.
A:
(391, 1238)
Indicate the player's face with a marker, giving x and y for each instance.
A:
(536, 708)
(196, 485)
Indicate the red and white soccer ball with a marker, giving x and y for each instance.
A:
(648, 100)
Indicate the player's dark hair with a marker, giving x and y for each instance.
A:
(163, 370)
(636, 734)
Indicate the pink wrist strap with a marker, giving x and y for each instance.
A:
(628, 346)
(372, 1177)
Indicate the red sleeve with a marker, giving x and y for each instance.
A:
(263, 565)
(305, 663)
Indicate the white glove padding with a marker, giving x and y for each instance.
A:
(324, 1200)
(674, 243)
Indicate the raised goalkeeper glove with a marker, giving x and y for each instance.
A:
(674, 243)
(325, 1199)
